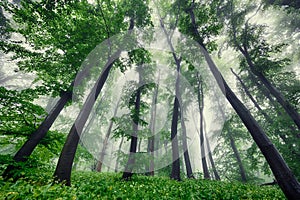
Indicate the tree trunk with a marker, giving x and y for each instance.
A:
(105, 142)
(64, 165)
(290, 110)
(127, 174)
(285, 178)
(201, 108)
(251, 97)
(186, 155)
(238, 158)
(25, 151)
(211, 159)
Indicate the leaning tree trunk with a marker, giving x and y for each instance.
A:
(284, 176)
(64, 165)
(25, 151)
(201, 107)
(290, 110)
(186, 155)
(238, 158)
(127, 174)
(105, 142)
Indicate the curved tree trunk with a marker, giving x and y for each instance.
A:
(284, 176)
(64, 165)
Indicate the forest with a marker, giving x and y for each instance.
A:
(149, 99)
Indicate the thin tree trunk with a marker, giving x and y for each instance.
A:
(186, 155)
(251, 97)
(118, 158)
(285, 178)
(211, 159)
(105, 142)
(238, 158)
(201, 108)
(127, 174)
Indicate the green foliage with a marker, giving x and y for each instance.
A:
(89, 185)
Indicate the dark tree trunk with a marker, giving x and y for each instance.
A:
(127, 174)
(175, 172)
(201, 107)
(105, 142)
(238, 158)
(35, 138)
(285, 178)
(64, 165)
(186, 155)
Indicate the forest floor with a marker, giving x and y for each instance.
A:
(91, 185)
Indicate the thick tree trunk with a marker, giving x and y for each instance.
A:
(127, 174)
(64, 165)
(105, 142)
(201, 107)
(25, 151)
(186, 155)
(285, 178)
(238, 158)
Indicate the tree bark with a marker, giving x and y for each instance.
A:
(285, 178)
(105, 142)
(201, 107)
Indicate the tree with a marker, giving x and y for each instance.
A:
(286, 179)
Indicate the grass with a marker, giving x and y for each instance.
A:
(91, 185)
